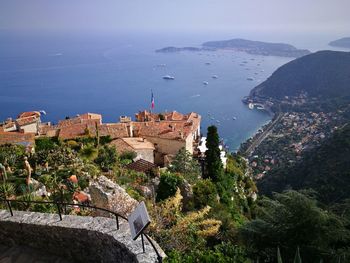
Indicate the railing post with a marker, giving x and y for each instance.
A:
(117, 218)
(143, 243)
(59, 211)
(9, 206)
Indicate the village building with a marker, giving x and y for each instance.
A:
(143, 148)
(169, 132)
(28, 122)
(18, 138)
(154, 137)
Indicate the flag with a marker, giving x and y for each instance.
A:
(152, 100)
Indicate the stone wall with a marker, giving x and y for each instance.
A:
(76, 238)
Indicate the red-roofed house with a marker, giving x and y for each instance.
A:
(142, 147)
(28, 122)
(25, 139)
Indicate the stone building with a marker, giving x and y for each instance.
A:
(143, 148)
(28, 122)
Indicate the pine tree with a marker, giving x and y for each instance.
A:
(214, 168)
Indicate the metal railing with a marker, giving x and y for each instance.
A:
(61, 211)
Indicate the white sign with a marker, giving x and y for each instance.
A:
(138, 220)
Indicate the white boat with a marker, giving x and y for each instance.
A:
(205, 83)
(251, 106)
(214, 76)
(234, 118)
(168, 77)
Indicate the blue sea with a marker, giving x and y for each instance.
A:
(68, 74)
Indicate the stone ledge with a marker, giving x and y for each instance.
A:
(78, 238)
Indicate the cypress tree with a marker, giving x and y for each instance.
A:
(279, 257)
(214, 168)
(297, 258)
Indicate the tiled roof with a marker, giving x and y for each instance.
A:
(121, 146)
(138, 143)
(164, 129)
(132, 144)
(29, 114)
(27, 120)
(86, 118)
(141, 166)
(17, 138)
(72, 131)
(115, 130)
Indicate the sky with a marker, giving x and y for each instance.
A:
(174, 15)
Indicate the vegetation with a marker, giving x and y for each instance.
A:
(325, 169)
(195, 219)
(184, 164)
(213, 162)
(294, 220)
(168, 185)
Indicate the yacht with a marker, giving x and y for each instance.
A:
(214, 76)
(168, 77)
(205, 82)
(251, 106)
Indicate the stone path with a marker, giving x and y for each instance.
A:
(20, 254)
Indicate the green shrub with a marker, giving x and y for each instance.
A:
(45, 144)
(204, 193)
(168, 185)
(106, 158)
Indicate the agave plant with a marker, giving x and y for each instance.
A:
(7, 190)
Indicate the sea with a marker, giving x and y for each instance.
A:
(114, 74)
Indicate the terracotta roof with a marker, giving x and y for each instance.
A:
(29, 114)
(115, 130)
(132, 144)
(72, 131)
(26, 139)
(27, 120)
(141, 166)
(121, 146)
(86, 118)
(164, 129)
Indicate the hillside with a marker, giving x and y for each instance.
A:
(343, 42)
(258, 47)
(323, 75)
(326, 169)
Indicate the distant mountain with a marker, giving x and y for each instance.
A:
(258, 47)
(248, 46)
(323, 75)
(325, 169)
(343, 42)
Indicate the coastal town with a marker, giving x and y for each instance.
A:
(284, 141)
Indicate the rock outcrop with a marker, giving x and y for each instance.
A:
(107, 194)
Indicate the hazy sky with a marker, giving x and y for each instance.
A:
(175, 15)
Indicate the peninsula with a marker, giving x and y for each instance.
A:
(243, 45)
(343, 42)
